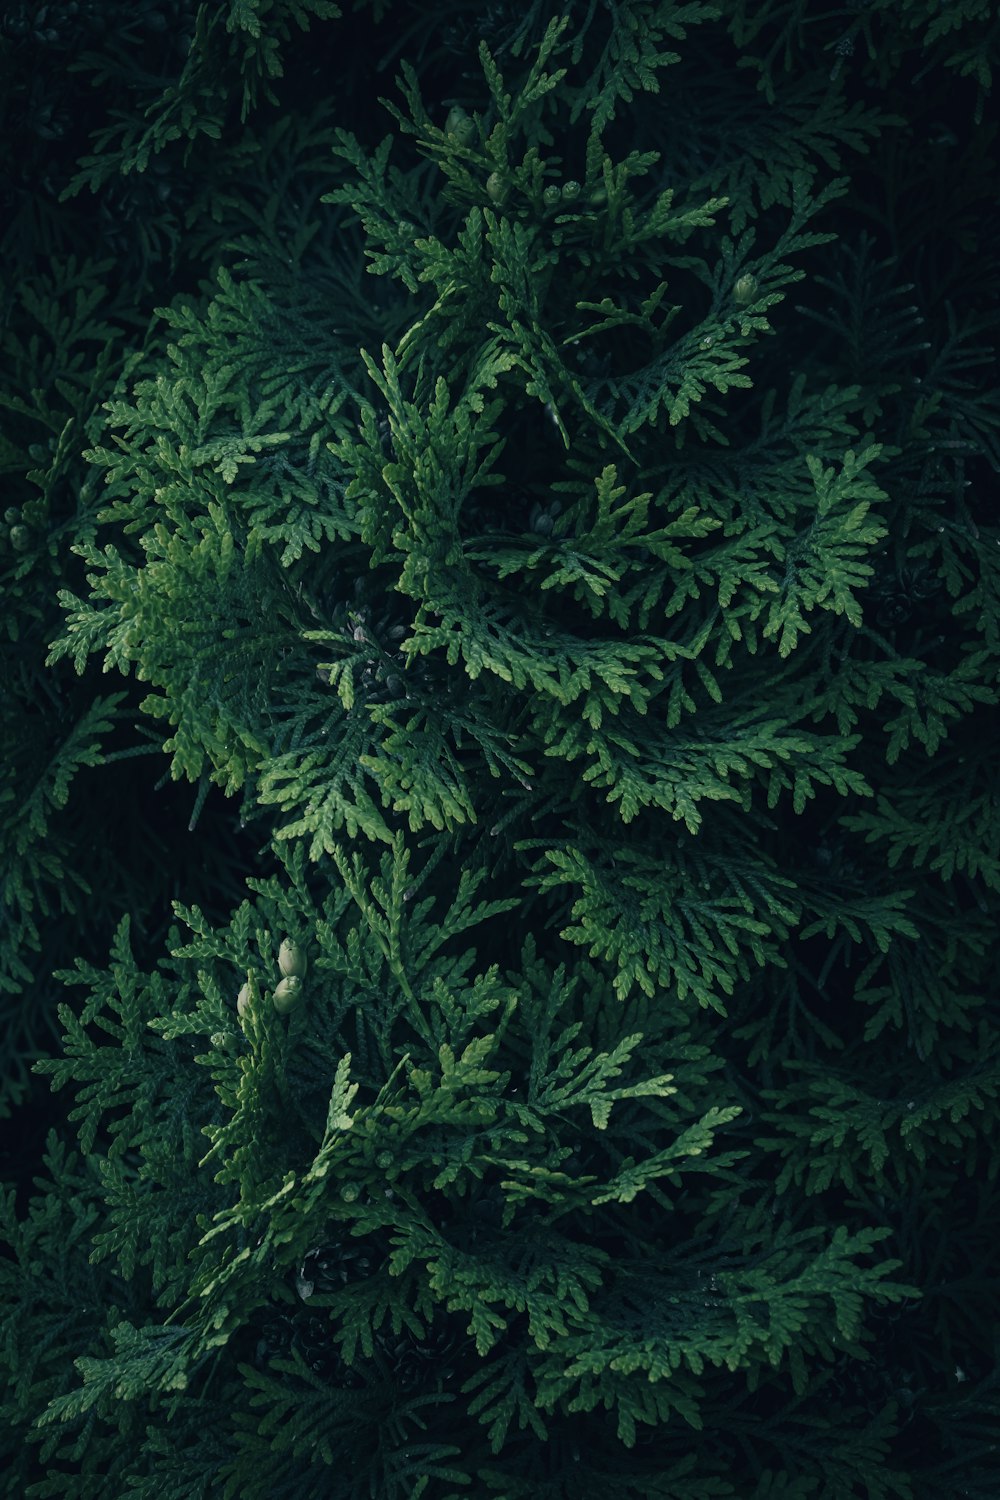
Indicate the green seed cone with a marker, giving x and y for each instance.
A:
(292, 960)
(496, 187)
(459, 127)
(744, 289)
(287, 994)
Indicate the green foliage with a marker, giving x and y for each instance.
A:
(582, 644)
(962, 38)
(244, 39)
(462, 1154)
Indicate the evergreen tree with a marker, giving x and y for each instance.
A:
(569, 1066)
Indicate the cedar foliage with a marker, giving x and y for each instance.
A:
(582, 642)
